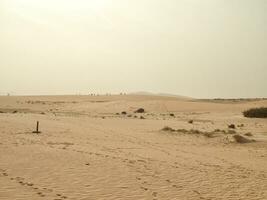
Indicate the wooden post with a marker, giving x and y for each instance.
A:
(37, 128)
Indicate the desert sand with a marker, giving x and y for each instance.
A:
(88, 150)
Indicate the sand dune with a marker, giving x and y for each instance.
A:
(89, 150)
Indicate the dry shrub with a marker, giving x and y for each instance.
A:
(167, 128)
(256, 113)
(209, 134)
(241, 139)
(140, 110)
(219, 131)
(231, 132)
(232, 126)
(248, 134)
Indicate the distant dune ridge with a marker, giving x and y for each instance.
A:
(160, 94)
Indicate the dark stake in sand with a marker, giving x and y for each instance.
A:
(37, 128)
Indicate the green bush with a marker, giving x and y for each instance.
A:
(256, 112)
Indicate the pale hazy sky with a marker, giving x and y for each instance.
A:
(198, 48)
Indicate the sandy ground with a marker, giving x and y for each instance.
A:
(87, 151)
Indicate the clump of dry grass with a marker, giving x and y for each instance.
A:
(219, 131)
(167, 128)
(140, 110)
(191, 131)
(209, 134)
(241, 139)
(237, 137)
(256, 113)
(248, 134)
(232, 126)
(231, 132)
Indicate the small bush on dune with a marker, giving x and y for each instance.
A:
(242, 139)
(248, 134)
(232, 126)
(219, 131)
(231, 132)
(256, 113)
(167, 128)
(140, 110)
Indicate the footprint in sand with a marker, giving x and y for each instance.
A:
(29, 184)
(40, 194)
(5, 174)
(154, 194)
(144, 188)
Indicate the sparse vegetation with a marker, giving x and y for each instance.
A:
(232, 126)
(241, 139)
(184, 131)
(167, 128)
(219, 131)
(191, 121)
(140, 110)
(141, 117)
(256, 113)
(209, 134)
(124, 113)
(248, 134)
(231, 132)
(172, 115)
(240, 125)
